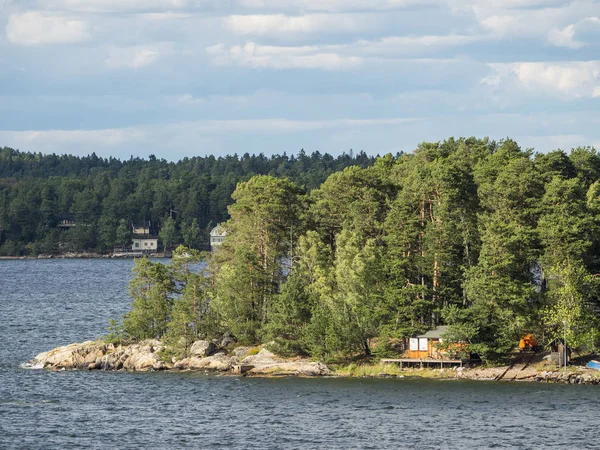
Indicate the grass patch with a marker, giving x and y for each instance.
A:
(376, 370)
(254, 351)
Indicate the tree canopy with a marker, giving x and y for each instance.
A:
(492, 240)
(104, 197)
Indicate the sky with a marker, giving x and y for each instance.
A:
(178, 78)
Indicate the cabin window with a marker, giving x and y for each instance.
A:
(414, 344)
(137, 245)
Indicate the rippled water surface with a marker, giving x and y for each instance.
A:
(44, 304)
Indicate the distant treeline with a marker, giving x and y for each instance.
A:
(486, 237)
(103, 197)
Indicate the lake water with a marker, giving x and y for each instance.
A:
(47, 303)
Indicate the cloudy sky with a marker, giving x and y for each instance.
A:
(194, 77)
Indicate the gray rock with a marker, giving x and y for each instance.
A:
(261, 358)
(201, 349)
(219, 363)
(268, 363)
(302, 368)
(240, 352)
(228, 339)
(143, 356)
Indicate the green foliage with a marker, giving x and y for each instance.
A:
(571, 302)
(168, 233)
(116, 332)
(288, 319)
(492, 240)
(151, 290)
(191, 233)
(170, 302)
(248, 266)
(37, 191)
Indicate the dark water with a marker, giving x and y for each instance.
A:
(44, 304)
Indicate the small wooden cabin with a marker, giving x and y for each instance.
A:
(425, 346)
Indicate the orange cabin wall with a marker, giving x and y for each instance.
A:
(430, 353)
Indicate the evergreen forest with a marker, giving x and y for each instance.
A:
(182, 201)
(486, 237)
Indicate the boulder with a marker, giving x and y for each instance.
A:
(302, 368)
(240, 352)
(143, 356)
(73, 356)
(219, 362)
(268, 363)
(261, 358)
(201, 349)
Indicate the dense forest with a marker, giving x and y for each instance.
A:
(486, 237)
(104, 197)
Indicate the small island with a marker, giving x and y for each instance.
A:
(490, 241)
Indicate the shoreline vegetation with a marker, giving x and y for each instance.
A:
(491, 241)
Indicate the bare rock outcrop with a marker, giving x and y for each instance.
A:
(219, 363)
(99, 355)
(145, 356)
(267, 363)
(72, 356)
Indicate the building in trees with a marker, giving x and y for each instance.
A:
(217, 236)
(426, 345)
(142, 238)
(141, 229)
(145, 244)
(66, 221)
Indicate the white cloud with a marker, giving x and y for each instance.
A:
(55, 138)
(564, 37)
(554, 21)
(273, 57)
(505, 4)
(169, 15)
(37, 28)
(131, 57)
(578, 79)
(189, 99)
(596, 92)
(278, 24)
(122, 5)
(334, 5)
(400, 45)
(330, 57)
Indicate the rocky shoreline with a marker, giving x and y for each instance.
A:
(204, 356)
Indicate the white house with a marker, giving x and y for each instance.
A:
(144, 244)
(217, 236)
